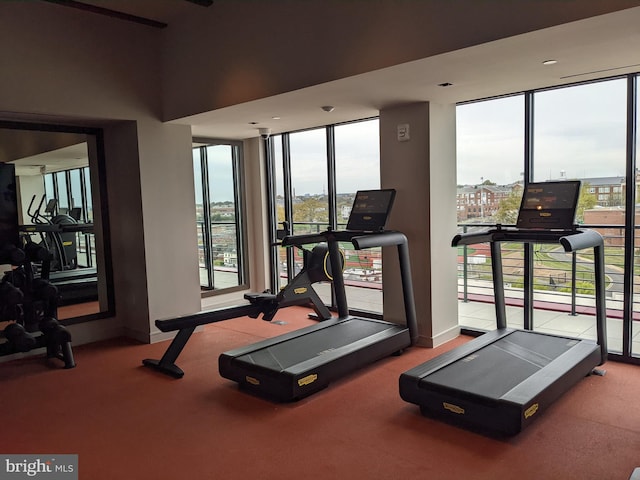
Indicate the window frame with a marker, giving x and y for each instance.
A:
(237, 159)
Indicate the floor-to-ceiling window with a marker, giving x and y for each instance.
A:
(309, 180)
(579, 132)
(219, 215)
(357, 166)
(582, 132)
(317, 173)
(490, 166)
(632, 327)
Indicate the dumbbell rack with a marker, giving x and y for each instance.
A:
(30, 305)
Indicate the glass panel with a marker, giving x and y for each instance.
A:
(358, 168)
(61, 193)
(490, 165)
(309, 181)
(310, 202)
(88, 210)
(279, 204)
(200, 220)
(635, 326)
(222, 211)
(580, 133)
(76, 188)
(49, 189)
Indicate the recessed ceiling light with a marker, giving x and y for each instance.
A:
(328, 108)
(445, 84)
(253, 123)
(275, 118)
(549, 62)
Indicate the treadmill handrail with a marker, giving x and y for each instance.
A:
(577, 239)
(304, 239)
(359, 239)
(571, 241)
(584, 239)
(379, 239)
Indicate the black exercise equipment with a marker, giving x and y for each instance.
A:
(297, 364)
(27, 302)
(19, 338)
(499, 383)
(30, 305)
(299, 291)
(57, 235)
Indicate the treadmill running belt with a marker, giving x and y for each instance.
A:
(497, 368)
(289, 353)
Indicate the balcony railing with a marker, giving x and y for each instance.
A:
(219, 258)
(561, 281)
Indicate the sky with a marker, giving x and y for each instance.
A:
(357, 159)
(578, 131)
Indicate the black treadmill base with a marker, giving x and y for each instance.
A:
(506, 396)
(295, 365)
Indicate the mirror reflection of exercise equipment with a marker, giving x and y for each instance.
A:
(28, 300)
(58, 234)
(65, 162)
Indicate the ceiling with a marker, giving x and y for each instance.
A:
(594, 48)
(154, 13)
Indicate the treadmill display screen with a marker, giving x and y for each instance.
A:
(549, 205)
(371, 209)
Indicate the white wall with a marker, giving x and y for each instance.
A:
(76, 68)
(422, 170)
(27, 187)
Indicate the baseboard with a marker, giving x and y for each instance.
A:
(440, 339)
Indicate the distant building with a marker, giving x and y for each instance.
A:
(610, 223)
(480, 201)
(483, 201)
(609, 191)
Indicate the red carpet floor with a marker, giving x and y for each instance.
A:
(127, 422)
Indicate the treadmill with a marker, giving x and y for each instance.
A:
(500, 382)
(297, 364)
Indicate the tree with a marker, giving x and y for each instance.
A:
(508, 208)
(586, 200)
(310, 210)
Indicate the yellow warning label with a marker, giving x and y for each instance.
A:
(531, 411)
(300, 291)
(307, 380)
(453, 408)
(252, 380)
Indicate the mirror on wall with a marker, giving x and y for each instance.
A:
(60, 194)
